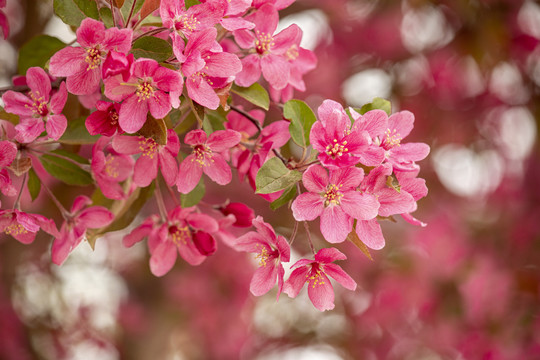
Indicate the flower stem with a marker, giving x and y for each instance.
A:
(112, 13)
(294, 232)
(306, 226)
(65, 214)
(160, 202)
(248, 116)
(17, 203)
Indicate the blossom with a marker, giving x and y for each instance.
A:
(82, 65)
(271, 251)
(270, 57)
(8, 152)
(73, 231)
(22, 226)
(183, 232)
(38, 107)
(243, 214)
(334, 198)
(151, 87)
(153, 156)
(206, 158)
(104, 120)
(339, 144)
(315, 273)
(111, 169)
(206, 69)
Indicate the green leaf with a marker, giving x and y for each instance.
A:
(194, 196)
(155, 129)
(37, 51)
(302, 119)
(377, 103)
(190, 3)
(255, 94)
(65, 170)
(213, 121)
(287, 196)
(152, 48)
(274, 176)
(124, 211)
(72, 12)
(106, 16)
(34, 185)
(126, 7)
(12, 118)
(353, 237)
(77, 134)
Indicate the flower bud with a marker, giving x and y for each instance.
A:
(243, 213)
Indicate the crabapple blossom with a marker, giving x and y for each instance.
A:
(8, 152)
(38, 110)
(104, 120)
(206, 158)
(334, 198)
(22, 226)
(82, 65)
(271, 251)
(315, 273)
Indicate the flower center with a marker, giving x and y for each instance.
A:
(180, 235)
(203, 75)
(201, 153)
(145, 91)
(337, 148)
(292, 53)
(264, 42)
(186, 22)
(332, 195)
(15, 229)
(39, 106)
(93, 58)
(148, 146)
(111, 167)
(263, 255)
(315, 276)
(113, 116)
(393, 138)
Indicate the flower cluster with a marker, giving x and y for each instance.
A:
(139, 127)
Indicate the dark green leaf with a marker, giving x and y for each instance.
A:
(66, 171)
(255, 94)
(126, 7)
(194, 196)
(377, 103)
(302, 119)
(12, 118)
(190, 3)
(274, 176)
(155, 129)
(37, 51)
(106, 16)
(34, 185)
(72, 12)
(77, 134)
(152, 48)
(213, 121)
(287, 196)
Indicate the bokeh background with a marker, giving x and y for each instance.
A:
(464, 287)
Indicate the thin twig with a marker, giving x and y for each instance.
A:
(248, 116)
(306, 226)
(160, 202)
(130, 13)
(294, 231)
(112, 13)
(278, 154)
(17, 203)
(151, 32)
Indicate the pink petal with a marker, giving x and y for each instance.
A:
(195, 137)
(29, 129)
(251, 71)
(90, 33)
(276, 70)
(402, 122)
(412, 220)
(335, 224)
(39, 82)
(163, 258)
(250, 242)
(296, 281)
(159, 105)
(59, 99)
(146, 169)
(118, 39)
(410, 152)
(168, 166)
(266, 19)
(84, 82)
(223, 65)
(222, 140)
(80, 203)
(315, 179)
(139, 233)
(116, 91)
(233, 24)
(328, 255)
(68, 61)
(264, 279)
(8, 151)
(56, 126)
(321, 294)
(190, 254)
(95, 217)
(202, 222)
(375, 122)
(307, 207)
(286, 38)
(347, 178)
(205, 243)
(370, 233)
(393, 202)
(189, 174)
(218, 170)
(201, 92)
(359, 206)
(17, 103)
(133, 114)
(128, 145)
(336, 272)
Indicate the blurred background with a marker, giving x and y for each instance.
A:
(464, 287)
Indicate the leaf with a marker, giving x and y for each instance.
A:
(12, 118)
(20, 165)
(37, 51)
(106, 16)
(353, 237)
(124, 212)
(255, 94)
(213, 121)
(128, 4)
(302, 119)
(274, 176)
(194, 196)
(152, 48)
(65, 170)
(377, 103)
(77, 134)
(72, 12)
(287, 196)
(190, 3)
(155, 129)
(34, 184)
(392, 182)
(148, 7)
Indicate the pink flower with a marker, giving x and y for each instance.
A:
(22, 226)
(117, 63)
(335, 200)
(153, 156)
(8, 152)
(82, 65)
(243, 214)
(206, 69)
(38, 107)
(315, 273)
(111, 169)
(338, 144)
(271, 251)
(104, 120)
(151, 87)
(206, 158)
(73, 229)
(270, 57)
(184, 232)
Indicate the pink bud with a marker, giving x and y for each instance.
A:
(205, 243)
(243, 213)
(117, 63)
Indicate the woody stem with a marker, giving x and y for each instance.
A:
(17, 203)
